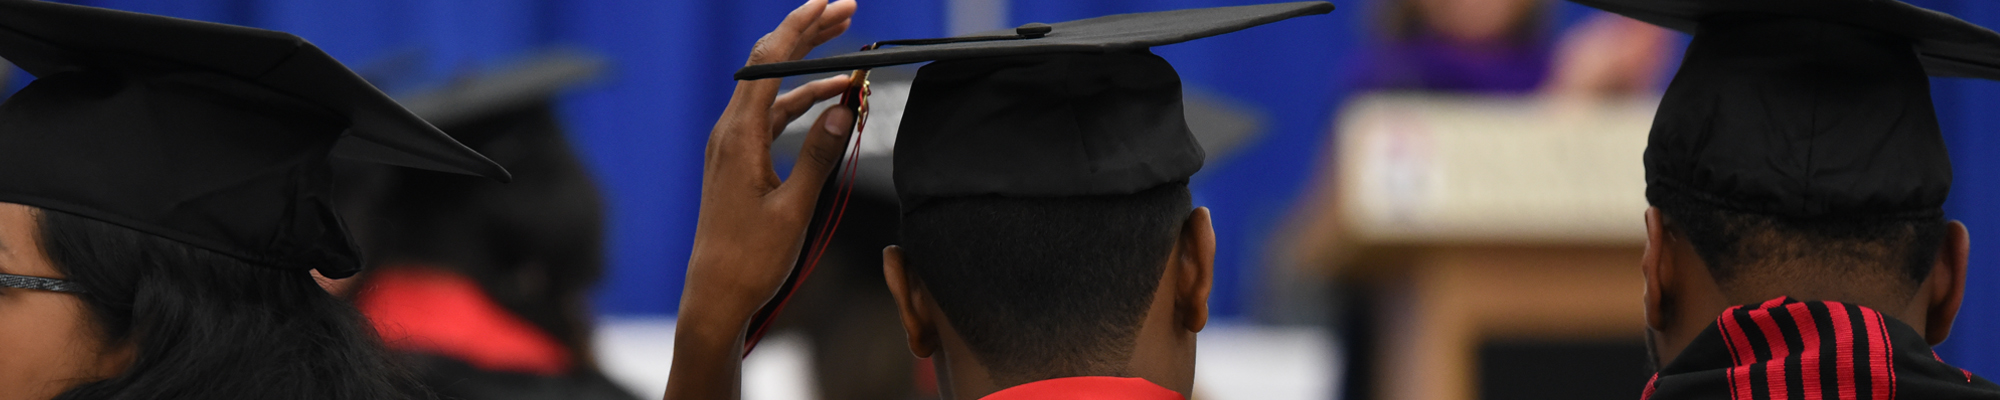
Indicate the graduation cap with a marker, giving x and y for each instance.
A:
(1807, 109)
(212, 135)
(1067, 109)
(530, 82)
(1079, 108)
(506, 113)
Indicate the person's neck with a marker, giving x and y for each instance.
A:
(1698, 313)
(1163, 353)
(962, 376)
(1892, 305)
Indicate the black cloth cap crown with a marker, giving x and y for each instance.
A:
(1043, 125)
(1807, 108)
(1800, 118)
(213, 135)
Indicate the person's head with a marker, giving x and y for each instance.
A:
(1702, 258)
(1009, 290)
(1047, 230)
(154, 318)
(1799, 154)
(183, 197)
(535, 245)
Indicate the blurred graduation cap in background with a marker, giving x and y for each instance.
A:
(507, 112)
(1078, 108)
(1807, 109)
(529, 82)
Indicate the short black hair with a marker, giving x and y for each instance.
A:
(1045, 287)
(1901, 247)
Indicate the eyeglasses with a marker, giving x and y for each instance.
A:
(38, 283)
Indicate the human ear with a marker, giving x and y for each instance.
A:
(910, 301)
(1195, 266)
(1657, 264)
(1946, 283)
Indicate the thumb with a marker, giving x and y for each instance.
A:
(824, 146)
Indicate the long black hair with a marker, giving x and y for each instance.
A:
(208, 326)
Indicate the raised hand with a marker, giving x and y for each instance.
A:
(752, 224)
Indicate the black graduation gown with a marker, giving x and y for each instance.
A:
(1789, 349)
(456, 380)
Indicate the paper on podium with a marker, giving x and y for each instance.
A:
(1426, 169)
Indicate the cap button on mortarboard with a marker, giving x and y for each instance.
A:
(1034, 30)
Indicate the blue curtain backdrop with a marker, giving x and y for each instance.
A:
(643, 126)
(1966, 109)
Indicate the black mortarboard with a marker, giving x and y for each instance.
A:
(1807, 109)
(212, 135)
(1068, 109)
(1075, 108)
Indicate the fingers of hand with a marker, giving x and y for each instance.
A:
(778, 45)
(832, 22)
(795, 103)
(822, 151)
(755, 103)
(828, 33)
(754, 97)
(738, 146)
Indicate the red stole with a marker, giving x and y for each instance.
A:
(1087, 388)
(424, 310)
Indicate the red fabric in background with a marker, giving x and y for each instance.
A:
(425, 310)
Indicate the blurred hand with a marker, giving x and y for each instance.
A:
(752, 224)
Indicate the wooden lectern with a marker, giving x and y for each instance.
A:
(1477, 219)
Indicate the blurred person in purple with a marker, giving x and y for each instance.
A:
(1506, 47)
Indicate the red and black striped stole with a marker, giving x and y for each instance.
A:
(1781, 353)
(1785, 349)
